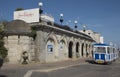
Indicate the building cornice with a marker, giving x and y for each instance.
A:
(76, 33)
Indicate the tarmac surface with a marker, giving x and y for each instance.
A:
(18, 70)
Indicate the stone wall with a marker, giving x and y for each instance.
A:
(52, 45)
(16, 45)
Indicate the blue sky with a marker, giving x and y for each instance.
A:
(101, 16)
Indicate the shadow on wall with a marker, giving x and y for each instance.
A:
(3, 76)
(1, 62)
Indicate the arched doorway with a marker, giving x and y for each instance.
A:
(77, 50)
(62, 50)
(50, 50)
(82, 49)
(86, 50)
(70, 48)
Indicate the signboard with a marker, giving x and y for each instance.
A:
(50, 48)
(29, 16)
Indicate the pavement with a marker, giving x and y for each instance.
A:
(35, 65)
(53, 64)
(28, 69)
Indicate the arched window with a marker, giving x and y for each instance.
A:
(61, 45)
(50, 45)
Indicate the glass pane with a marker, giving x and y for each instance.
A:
(101, 49)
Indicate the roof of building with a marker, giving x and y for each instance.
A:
(65, 27)
(17, 27)
(101, 45)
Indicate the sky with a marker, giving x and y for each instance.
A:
(102, 16)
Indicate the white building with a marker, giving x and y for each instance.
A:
(43, 41)
(102, 39)
(46, 17)
(96, 36)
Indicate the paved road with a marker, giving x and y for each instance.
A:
(17, 70)
(84, 70)
(70, 68)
